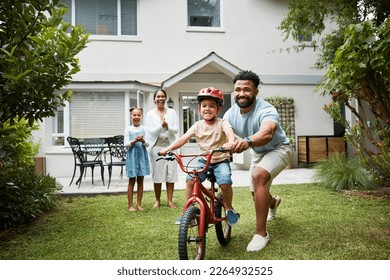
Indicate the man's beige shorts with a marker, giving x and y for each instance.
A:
(273, 161)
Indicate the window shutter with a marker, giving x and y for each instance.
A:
(97, 114)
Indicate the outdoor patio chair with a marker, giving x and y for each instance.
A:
(117, 153)
(81, 159)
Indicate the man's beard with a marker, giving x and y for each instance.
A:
(249, 102)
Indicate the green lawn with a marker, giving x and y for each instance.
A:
(311, 224)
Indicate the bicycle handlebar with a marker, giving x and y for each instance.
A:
(178, 157)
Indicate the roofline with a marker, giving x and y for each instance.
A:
(129, 84)
(218, 62)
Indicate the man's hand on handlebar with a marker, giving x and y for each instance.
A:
(239, 146)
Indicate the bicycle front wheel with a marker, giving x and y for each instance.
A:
(191, 246)
(222, 229)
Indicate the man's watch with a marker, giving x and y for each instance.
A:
(247, 139)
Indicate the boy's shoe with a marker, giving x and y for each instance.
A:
(257, 243)
(272, 212)
(232, 217)
(178, 221)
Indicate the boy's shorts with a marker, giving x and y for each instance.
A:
(273, 161)
(222, 172)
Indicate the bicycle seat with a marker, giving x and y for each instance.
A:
(210, 176)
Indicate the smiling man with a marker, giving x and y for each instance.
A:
(256, 122)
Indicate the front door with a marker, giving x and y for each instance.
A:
(189, 114)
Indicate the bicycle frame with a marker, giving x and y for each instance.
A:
(195, 221)
(200, 192)
(207, 210)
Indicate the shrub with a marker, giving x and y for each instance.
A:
(341, 173)
(24, 196)
(16, 147)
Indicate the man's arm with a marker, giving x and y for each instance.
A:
(260, 138)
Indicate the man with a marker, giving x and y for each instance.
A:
(256, 122)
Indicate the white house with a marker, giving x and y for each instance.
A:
(138, 46)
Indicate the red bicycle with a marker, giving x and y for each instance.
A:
(203, 210)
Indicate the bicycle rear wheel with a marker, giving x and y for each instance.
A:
(190, 245)
(222, 229)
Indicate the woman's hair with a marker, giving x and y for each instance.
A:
(155, 93)
(247, 75)
(137, 108)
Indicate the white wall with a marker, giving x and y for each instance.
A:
(250, 40)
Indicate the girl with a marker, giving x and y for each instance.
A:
(137, 161)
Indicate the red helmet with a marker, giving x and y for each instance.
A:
(211, 92)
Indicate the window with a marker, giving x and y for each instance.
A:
(304, 38)
(136, 99)
(96, 114)
(206, 13)
(104, 17)
(58, 133)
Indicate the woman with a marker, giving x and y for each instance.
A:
(162, 124)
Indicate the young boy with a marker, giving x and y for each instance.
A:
(211, 133)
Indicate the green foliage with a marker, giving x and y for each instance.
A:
(361, 70)
(361, 67)
(16, 146)
(355, 51)
(309, 17)
(380, 165)
(24, 196)
(341, 173)
(286, 106)
(37, 58)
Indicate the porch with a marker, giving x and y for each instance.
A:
(240, 179)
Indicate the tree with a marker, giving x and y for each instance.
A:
(37, 58)
(356, 56)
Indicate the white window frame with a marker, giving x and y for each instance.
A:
(209, 29)
(66, 111)
(117, 37)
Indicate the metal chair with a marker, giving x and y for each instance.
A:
(81, 159)
(118, 154)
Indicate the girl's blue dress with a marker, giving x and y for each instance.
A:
(137, 160)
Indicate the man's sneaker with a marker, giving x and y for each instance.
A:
(178, 221)
(272, 212)
(257, 243)
(232, 217)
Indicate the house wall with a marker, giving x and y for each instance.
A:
(248, 39)
(310, 118)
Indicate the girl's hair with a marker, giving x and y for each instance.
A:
(137, 108)
(155, 93)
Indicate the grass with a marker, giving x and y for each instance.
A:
(312, 224)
